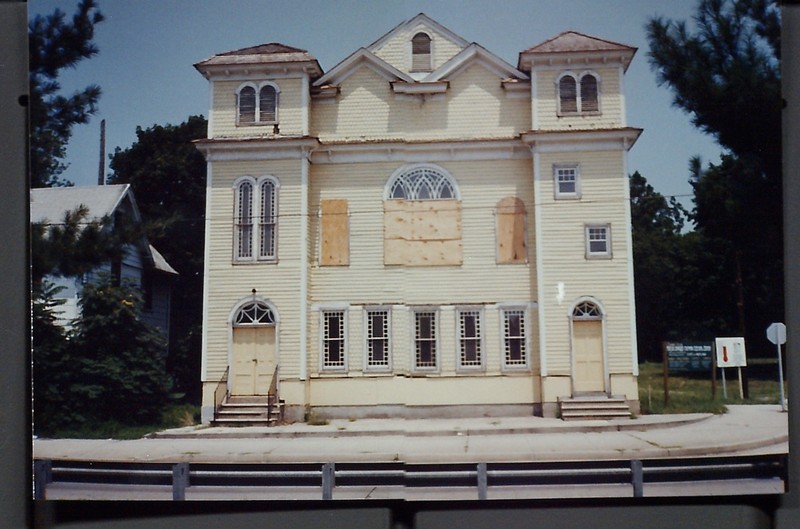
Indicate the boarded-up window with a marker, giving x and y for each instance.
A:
(422, 232)
(567, 94)
(511, 247)
(589, 93)
(335, 233)
(421, 52)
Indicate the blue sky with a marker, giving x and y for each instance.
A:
(148, 47)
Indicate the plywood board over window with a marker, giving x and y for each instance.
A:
(511, 247)
(422, 232)
(335, 233)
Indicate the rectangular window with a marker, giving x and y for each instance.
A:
(598, 241)
(377, 335)
(515, 352)
(333, 339)
(469, 339)
(425, 354)
(566, 181)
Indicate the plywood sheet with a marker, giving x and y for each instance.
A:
(335, 233)
(422, 253)
(511, 247)
(422, 233)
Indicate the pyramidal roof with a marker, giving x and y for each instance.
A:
(572, 41)
(265, 49)
(263, 54)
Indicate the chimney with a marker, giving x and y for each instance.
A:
(101, 171)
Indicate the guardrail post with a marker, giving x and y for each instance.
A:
(483, 481)
(328, 480)
(42, 475)
(637, 478)
(180, 481)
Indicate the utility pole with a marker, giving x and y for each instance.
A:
(740, 306)
(102, 169)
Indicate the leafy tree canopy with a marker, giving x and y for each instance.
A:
(55, 44)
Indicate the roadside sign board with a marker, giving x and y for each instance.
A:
(731, 352)
(689, 357)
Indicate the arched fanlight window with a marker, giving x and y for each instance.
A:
(587, 310)
(254, 313)
(421, 52)
(422, 183)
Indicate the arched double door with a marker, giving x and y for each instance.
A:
(253, 349)
(588, 358)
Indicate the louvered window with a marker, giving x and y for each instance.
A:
(247, 105)
(578, 94)
(268, 104)
(257, 105)
(567, 94)
(589, 94)
(421, 53)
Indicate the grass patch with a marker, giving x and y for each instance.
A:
(174, 416)
(691, 393)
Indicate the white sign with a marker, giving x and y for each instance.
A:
(731, 352)
(776, 333)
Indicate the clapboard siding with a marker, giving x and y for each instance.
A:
(610, 98)
(223, 110)
(475, 105)
(397, 50)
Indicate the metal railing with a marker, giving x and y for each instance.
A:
(328, 477)
(221, 391)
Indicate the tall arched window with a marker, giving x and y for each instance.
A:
(255, 218)
(421, 52)
(247, 104)
(567, 94)
(589, 93)
(268, 104)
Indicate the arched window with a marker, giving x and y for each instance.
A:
(254, 313)
(257, 104)
(578, 94)
(567, 94)
(586, 310)
(589, 93)
(421, 52)
(255, 218)
(422, 183)
(247, 104)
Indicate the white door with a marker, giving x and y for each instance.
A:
(587, 350)
(253, 362)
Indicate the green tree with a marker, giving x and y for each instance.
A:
(55, 44)
(168, 176)
(115, 360)
(725, 73)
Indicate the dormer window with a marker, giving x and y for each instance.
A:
(578, 94)
(257, 105)
(421, 53)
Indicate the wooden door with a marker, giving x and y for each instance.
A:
(253, 362)
(587, 348)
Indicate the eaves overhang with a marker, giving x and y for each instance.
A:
(551, 140)
(248, 148)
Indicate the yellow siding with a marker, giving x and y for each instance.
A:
(475, 105)
(602, 201)
(610, 102)
(223, 110)
(397, 50)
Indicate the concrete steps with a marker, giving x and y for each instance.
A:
(594, 407)
(249, 411)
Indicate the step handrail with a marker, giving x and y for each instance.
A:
(221, 391)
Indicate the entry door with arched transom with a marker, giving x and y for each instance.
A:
(253, 358)
(587, 349)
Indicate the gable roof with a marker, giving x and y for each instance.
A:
(475, 53)
(50, 204)
(361, 57)
(573, 43)
(424, 19)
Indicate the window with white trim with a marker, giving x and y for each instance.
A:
(566, 179)
(425, 346)
(578, 94)
(255, 219)
(421, 53)
(257, 105)
(254, 313)
(378, 336)
(515, 350)
(598, 241)
(470, 340)
(334, 339)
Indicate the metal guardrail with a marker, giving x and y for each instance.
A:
(481, 476)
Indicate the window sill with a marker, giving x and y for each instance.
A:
(251, 262)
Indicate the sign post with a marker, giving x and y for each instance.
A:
(731, 353)
(776, 333)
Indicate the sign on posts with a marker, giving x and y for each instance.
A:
(731, 353)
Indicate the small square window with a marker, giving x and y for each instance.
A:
(566, 181)
(598, 241)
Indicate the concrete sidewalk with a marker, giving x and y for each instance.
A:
(751, 429)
